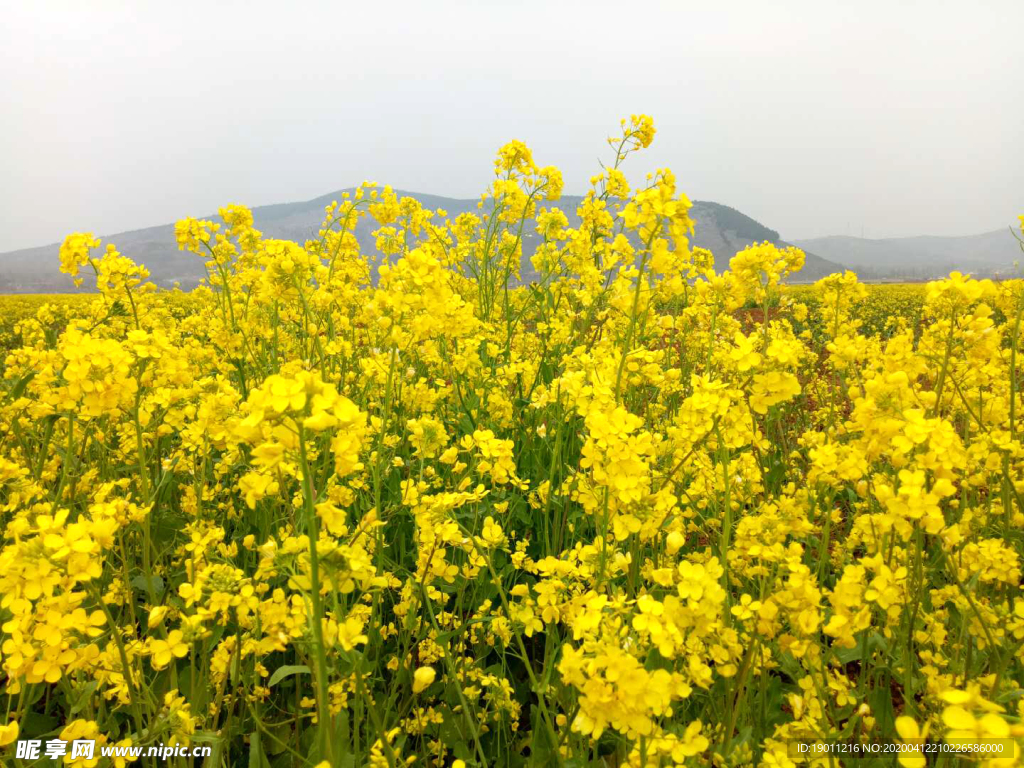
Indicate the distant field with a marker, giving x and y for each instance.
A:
(17, 308)
(31, 314)
(885, 308)
(882, 311)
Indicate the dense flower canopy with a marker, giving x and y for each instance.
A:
(347, 508)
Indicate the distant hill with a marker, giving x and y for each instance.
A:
(725, 231)
(990, 254)
(722, 229)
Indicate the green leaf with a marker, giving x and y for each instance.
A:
(282, 672)
(141, 583)
(881, 701)
(278, 741)
(84, 697)
(35, 724)
(256, 757)
(19, 388)
(206, 737)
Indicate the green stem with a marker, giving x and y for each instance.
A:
(323, 703)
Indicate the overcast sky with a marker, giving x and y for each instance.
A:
(888, 118)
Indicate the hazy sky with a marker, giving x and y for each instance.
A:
(895, 118)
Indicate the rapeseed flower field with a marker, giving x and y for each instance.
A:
(342, 509)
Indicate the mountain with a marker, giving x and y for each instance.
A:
(725, 231)
(722, 229)
(990, 254)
